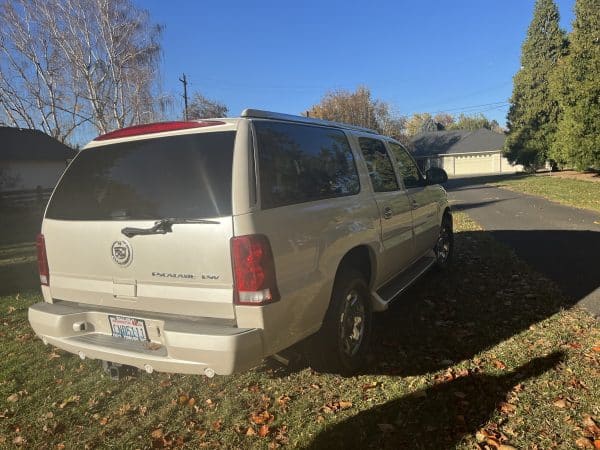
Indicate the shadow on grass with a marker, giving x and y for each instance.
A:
(434, 418)
(487, 296)
(19, 278)
(18, 269)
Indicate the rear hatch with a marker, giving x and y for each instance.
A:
(184, 268)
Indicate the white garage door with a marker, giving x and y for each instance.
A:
(473, 164)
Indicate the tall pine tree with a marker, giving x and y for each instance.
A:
(532, 117)
(576, 85)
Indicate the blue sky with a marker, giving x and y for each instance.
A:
(282, 56)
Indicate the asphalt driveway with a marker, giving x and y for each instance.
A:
(560, 242)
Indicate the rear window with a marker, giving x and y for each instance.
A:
(302, 163)
(182, 176)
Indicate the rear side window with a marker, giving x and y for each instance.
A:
(302, 163)
(181, 176)
(406, 166)
(379, 165)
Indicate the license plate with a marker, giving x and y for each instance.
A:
(128, 328)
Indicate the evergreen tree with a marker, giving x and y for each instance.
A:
(533, 114)
(576, 84)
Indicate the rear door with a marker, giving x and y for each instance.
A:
(394, 207)
(423, 200)
(134, 184)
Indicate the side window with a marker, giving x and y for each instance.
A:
(302, 163)
(379, 165)
(406, 165)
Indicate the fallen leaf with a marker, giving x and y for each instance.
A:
(183, 399)
(261, 417)
(157, 434)
(165, 383)
(13, 398)
(560, 403)
(507, 408)
(368, 386)
(345, 405)
(315, 386)
(18, 441)
(591, 426)
(104, 420)
(263, 430)
(11, 309)
(283, 400)
(597, 443)
(68, 401)
(499, 364)
(596, 348)
(217, 424)
(583, 442)
(191, 401)
(506, 447)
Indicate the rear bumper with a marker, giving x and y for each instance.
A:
(177, 345)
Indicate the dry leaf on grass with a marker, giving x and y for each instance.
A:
(333, 407)
(157, 434)
(499, 364)
(263, 430)
(560, 403)
(72, 399)
(583, 442)
(261, 417)
(217, 425)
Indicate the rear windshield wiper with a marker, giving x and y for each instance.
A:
(162, 226)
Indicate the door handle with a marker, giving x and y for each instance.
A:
(387, 212)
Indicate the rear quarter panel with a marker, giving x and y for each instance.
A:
(308, 241)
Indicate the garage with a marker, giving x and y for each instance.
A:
(463, 152)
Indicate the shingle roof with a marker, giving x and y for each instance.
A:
(460, 141)
(18, 144)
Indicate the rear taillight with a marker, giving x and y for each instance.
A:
(253, 270)
(42, 259)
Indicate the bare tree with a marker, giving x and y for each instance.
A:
(65, 64)
(359, 108)
(201, 107)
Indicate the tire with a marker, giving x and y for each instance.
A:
(444, 246)
(341, 345)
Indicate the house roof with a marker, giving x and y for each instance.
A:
(459, 141)
(19, 144)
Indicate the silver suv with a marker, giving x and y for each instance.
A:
(206, 246)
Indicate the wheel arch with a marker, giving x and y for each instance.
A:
(361, 258)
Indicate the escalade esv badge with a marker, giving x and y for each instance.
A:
(121, 253)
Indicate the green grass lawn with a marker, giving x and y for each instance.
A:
(577, 193)
(486, 354)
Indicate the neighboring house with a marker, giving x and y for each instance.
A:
(462, 152)
(30, 158)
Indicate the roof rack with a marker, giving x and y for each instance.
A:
(260, 114)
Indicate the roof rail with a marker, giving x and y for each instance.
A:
(260, 114)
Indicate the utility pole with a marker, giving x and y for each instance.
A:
(185, 97)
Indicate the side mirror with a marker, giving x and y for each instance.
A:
(435, 175)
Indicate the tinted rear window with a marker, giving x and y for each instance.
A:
(301, 163)
(183, 176)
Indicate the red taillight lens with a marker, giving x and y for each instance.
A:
(253, 270)
(159, 127)
(42, 259)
